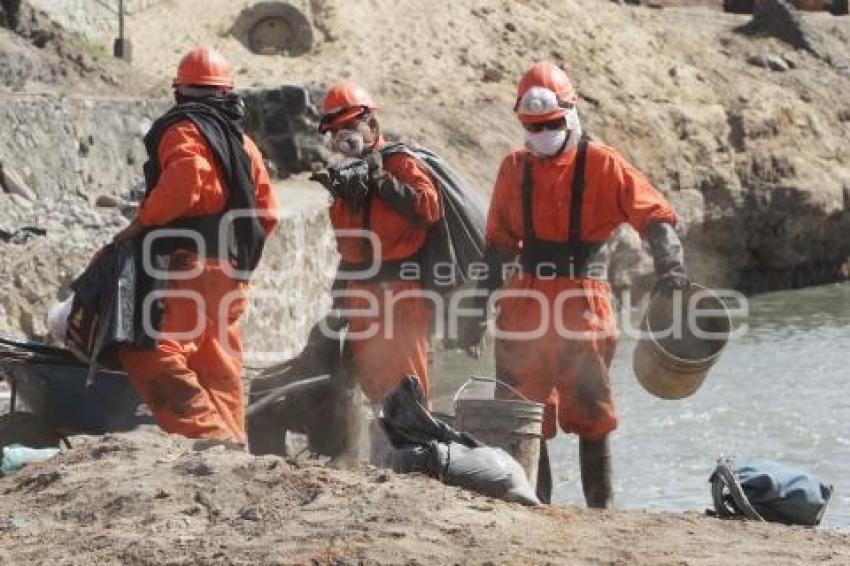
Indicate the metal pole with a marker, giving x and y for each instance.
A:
(121, 47)
(13, 396)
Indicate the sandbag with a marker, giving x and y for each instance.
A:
(420, 443)
(768, 491)
(485, 470)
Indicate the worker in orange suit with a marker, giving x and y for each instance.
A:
(201, 167)
(394, 199)
(555, 204)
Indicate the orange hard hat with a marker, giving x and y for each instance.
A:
(544, 93)
(203, 66)
(343, 102)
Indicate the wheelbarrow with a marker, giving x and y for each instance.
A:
(51, 397)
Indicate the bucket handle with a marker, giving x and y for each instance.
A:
(490, 380)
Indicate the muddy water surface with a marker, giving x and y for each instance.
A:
(782, 392)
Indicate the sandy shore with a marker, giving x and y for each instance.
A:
(147, 498)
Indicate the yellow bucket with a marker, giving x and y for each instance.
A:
(676, 350)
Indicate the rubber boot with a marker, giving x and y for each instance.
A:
(595, 462)
(544, 475)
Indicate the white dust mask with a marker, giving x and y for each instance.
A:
(546, 143)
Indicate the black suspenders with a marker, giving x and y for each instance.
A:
(533, 247)
(577, 202)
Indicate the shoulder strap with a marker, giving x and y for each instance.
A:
(527, 192)
(577, 199)
(368, 249)
(393, 148)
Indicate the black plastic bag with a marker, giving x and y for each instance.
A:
(106, 312)
(424, 444)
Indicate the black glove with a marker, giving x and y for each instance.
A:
(377, 173)
(324, 178)
(668, 255)
(347, 180)
(472, 330)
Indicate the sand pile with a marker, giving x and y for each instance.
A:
(146, 498)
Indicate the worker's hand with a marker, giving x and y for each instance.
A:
(323, 177)
(377, 174)
(355, 191)
(132, 230)
(478, 342)
(351, 178)
(674, 280)
(668, 256)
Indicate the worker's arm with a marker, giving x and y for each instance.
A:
(185, 163)
(502, 232)
(654, 219)
(266, 201)
(640, 202)
(408, 189)
(129, 232)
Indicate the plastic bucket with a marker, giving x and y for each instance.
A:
(514, 425)
(678, 348)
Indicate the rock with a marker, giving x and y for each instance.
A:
(12, 183)
(211, 506)
(195, 467)
(492, 75)
(107, 201)
(769, 61)
(776, 63)
(780, 19)
(249, 514)
(284, 123)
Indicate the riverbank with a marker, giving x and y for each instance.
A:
(147, 498)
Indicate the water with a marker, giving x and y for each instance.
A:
(782, 392)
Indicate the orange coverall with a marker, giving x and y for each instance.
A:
(193, 384)
(382, 360)
(568, 374)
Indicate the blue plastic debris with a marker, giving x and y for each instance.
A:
(15, 456)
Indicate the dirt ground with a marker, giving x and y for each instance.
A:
(147, 498)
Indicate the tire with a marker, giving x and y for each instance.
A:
(274, 28)
(839, 8)
(28, 430)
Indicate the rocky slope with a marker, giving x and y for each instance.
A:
(166, 503)
(42, 55)
(746, 133)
